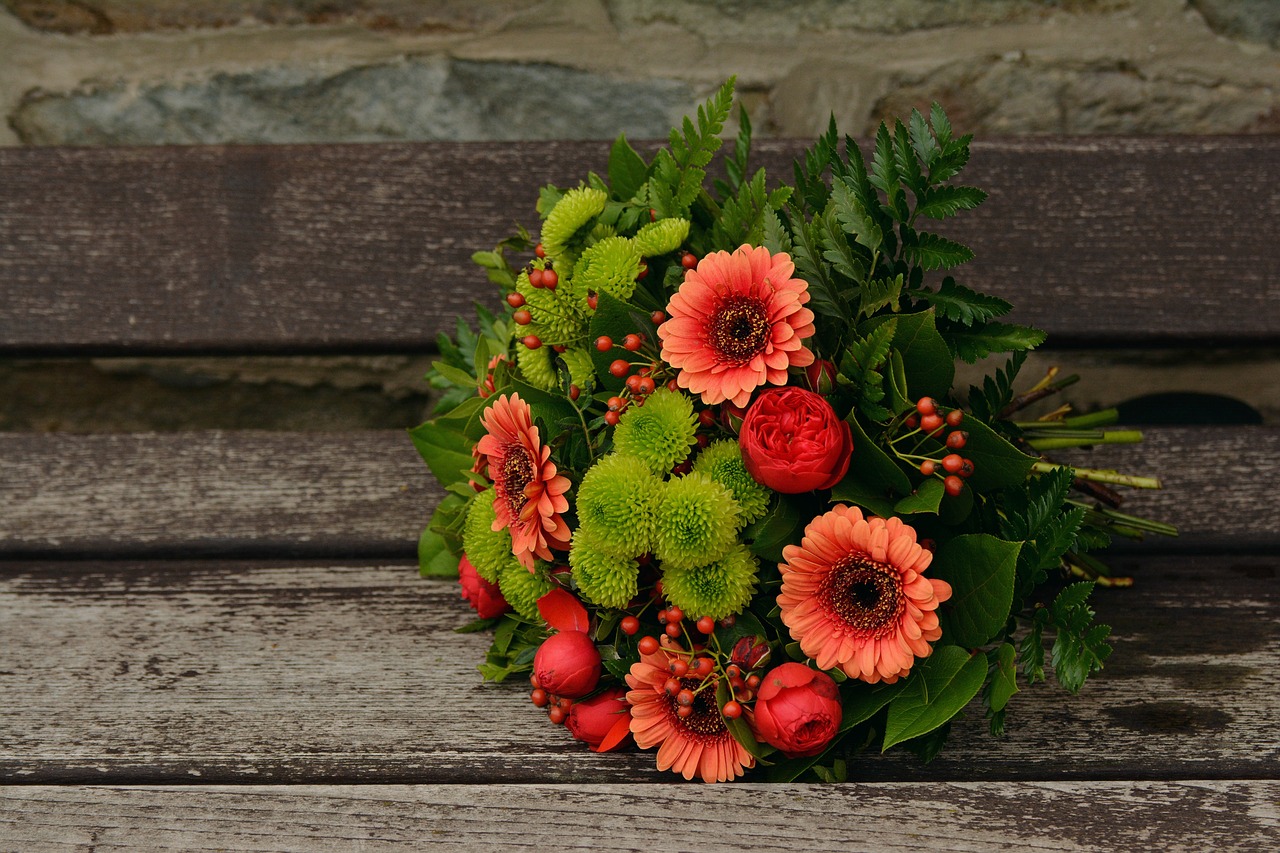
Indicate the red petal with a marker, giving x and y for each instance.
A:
(563, 612)
(617, 734)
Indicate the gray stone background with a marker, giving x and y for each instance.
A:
(143, 72)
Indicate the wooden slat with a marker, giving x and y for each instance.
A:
(253, 672)
(326, 494)
(973, 816)
(366, 247)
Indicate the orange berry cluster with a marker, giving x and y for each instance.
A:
(955, 469)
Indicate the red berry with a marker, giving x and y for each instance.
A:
(912, 421)
(653, 215)
(707, 417)
(539, 251)
(927, 467)
(685, 697)
(729, 621)
(556, 714)
(753, 681)
(926, 405)
(673, 385)
(515, 300)
(702, 667)
(644, 272)
(953, 485)
(633, 383)
(952, 463)
(620, 368)
(550, 279)
(632, 342)
(647, 386)
(647, 645)
(733, 671)
(931, 423)
(702, 440)
(614, 404)
(565, 703)
(731, 710)
(658, 318)
(672, 686)
(531, 341)
(674, 614)
(706, 624)
(592, 301)
(574, 391)
(688, 260)
(535, 277)
(559, 347)
(522, 317)
(679, 667)
(539, 697)
(954, 417)
(604, 343)
(611, 418)
(629, 625)
(958, 439)
(673, 629)
(684, 710)
(682, 469)
(966, 468)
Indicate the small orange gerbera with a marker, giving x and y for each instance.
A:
(529, 493)
(737, 323)
(699, 744)
(854, 596)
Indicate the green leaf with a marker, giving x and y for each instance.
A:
(779, 527)
(997, 464)
(959, 304)
(455, 375)
(446, 451)
(860, 368)
(862, 701)
(905, 159)
(926, 498)
(627, 169)
(941, 202)
(1004, 682)
(932, 251)
(776, 236)
(884, 172)
(927, 360)
(922, 140)
(939, 688)
(853, 216)
(616, 319)
(871, 473)
(979, 342)
(981, 570)
(435, 558)
(1080, 647)
(1031, 649)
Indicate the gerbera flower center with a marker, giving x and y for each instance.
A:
(867, 595)
(517, 472)
(740, 328)
(705, 721)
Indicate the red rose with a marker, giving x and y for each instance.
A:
(567, 664)
(590, 720)
(793, 442)
(797, 710)
(486, 599)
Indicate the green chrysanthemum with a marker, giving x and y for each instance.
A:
(488, 550)
(557, 316)
(722, 462)
(696, 522)
(582, 370)
(522, 588)
(618, 498)
(658, 238)
(716, 589)
(602, 578)
(536, 366)
(610, 266)
(660, 432)
(575, 210)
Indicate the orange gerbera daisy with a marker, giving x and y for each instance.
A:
(737, 323)
(854, 596)
(529, 494)
(699, 744)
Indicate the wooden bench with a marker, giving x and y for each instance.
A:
(218, 640)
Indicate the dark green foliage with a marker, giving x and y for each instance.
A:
(1080, 647)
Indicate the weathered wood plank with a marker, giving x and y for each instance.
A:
(366, 247)
(326, 494)
(969, 816)
(255, 672)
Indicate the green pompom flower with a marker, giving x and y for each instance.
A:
(722, 462)
(603, 579)
(658, 238)
(536, 366)
(716, 589)
(618, 498)
(522, 588)
(696, 522)
(557, 315)
(488, 550)
(582, 370)
(660, 432)
(574, 211)
(610, 266)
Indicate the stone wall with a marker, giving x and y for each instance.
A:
(130, 72)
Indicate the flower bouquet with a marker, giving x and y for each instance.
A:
(708, 479)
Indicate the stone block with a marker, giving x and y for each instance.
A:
(1252, 20)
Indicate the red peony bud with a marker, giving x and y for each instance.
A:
(749, 653)
(486, 599)
(591, 720)
(821, 376)
(567, 664)
(797, 710)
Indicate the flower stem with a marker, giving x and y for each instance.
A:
(1087, 439)
(1101, 476)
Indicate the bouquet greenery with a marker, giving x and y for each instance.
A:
(709, 481)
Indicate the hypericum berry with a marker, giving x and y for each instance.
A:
(556, 715)
(958, 439)
(951, 463)
(702, 667)
(966, 468)
(614, 404)
(593, 300)
(673, 629)
(604, 343)
(559, 348)
(706, 625)
(733, 671)
(953, 484)
(927, 406)
(931, 423)
(673, 385)
(647, 645)
(685, 697)
(954, 417)
(646, 386)
(611, 418)
(702, 440)
(550, 279)
(533, 680)
(753, 681)
(565, 703)
(732, 710)
(574, 391)
(684, 710)
(515, 300)
(927, 467)
(633, 383)
(522, 317)
(632, 342)
(531, 341)
(674, 614)
(682, 469)
(729, 621)
(644, 272)
(707, 418)
(912, 421)
(539, 697)
(629, 625)
(658, 317)
(672, 686)
(536, 277)
(620, 367)
(689, 260)
(539, 251)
